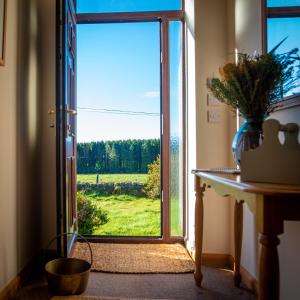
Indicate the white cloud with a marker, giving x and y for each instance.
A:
(152, 94)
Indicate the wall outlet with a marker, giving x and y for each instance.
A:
(213, 116)
(212, 101)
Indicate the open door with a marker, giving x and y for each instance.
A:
(66, 125)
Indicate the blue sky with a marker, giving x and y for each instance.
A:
(104, 6)
(118, 69)
(272, 3)
(280, 28)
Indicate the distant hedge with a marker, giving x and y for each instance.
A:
(111, 188)
(121, 156)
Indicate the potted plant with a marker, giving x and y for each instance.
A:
(253, 85)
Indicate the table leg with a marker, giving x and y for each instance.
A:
(238, 235)
(269, 268)
(198, 229)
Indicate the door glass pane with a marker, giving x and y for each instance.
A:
(119, 126)
(277, 3)
(176, 129)
(280, 28)
(110, 6)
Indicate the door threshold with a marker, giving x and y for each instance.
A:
(132, 240)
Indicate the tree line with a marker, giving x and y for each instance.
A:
(121, 156)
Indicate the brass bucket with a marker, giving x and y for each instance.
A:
(68, 276)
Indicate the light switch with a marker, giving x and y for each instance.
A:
(213, 116)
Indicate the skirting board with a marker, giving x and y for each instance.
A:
(16, 283)
(227, 261)
(215, 260)
(250, 282)
(11, 289)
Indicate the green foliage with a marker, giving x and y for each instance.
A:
(256, 82)
(152, 185)
(90, 216)
(129, 215)
(123, 156)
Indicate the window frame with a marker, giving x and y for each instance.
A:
(164, 17)
(279, 12)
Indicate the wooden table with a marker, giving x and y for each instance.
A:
(271, 204)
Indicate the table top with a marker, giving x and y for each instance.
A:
(234, 181)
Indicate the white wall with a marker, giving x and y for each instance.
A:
(8, 157)
(248, 32)
(47, 167)
(247, 36)
(20, 220)
(27, 160)
(191, 117)
(208, 37)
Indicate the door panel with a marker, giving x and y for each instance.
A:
(66, 131)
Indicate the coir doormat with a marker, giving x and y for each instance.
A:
(136, 258)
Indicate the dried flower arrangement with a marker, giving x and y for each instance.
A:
(255, 83)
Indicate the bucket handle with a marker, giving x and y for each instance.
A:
(69, 233)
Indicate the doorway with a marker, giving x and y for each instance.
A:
(136, 78)
(119, 129)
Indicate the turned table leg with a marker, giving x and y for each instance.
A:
(238, 235)
(269, 268)
(198, 229)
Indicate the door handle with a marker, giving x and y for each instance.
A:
(51, 111)
(72, 112)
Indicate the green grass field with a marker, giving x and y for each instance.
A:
(91, 178)
(128, 215)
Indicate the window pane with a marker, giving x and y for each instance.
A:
(109, 6)
(176, 132)
(280, 28)
(277, 3)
